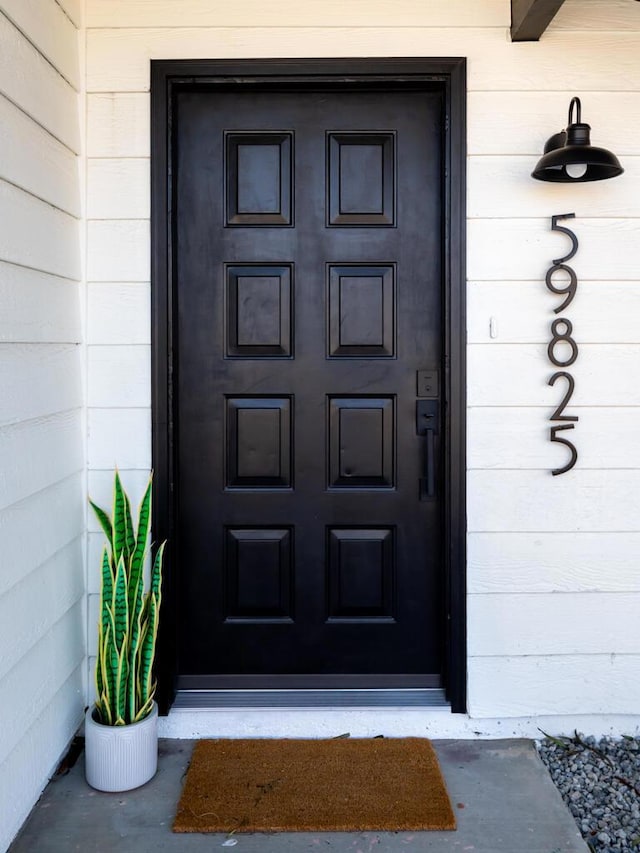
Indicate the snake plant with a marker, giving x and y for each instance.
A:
(128, 625)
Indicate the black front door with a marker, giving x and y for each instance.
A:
(308, 347)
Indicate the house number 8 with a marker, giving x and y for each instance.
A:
(562, 349)
(562, 337)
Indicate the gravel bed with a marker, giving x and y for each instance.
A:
(600, 782)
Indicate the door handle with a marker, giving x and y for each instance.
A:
(429, 462)
(427, 424)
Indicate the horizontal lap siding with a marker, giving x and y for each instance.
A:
(516, 375)
(42, 517)
(550, 685)
(524, 440)
(55, 249)
(38, 453)
(48, 592)
(323, 13)
(118, 313)
(522, 249)
(118, 310)
(118, 189)
(603, 14)
(494, 62)
(55, 513)
(37, 307)
(22, 769)
(110, 431)
(552, 572)
(531, 536)
(118, 250)
(583, 500)
(610, 15)
(50, 30)
(74, 9)
(33, 159)
(52, 101)
(106, 367)
(512, 562)
(36, 678)
(606, 312)
(118, 125)
(581, 624)
(38, 380)
(501, 188)
(519, 123)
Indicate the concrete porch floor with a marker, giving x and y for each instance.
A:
(501, 793)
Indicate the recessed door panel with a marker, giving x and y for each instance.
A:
(361, 574)
(361, 442)
(258, 575)
(361, 179)
(361, 311)
(258, 442)
(258, 178)
(258, 310)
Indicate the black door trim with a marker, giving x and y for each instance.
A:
(446, 74)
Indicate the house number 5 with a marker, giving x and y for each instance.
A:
(562, 349)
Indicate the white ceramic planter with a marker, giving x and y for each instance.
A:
(119, 758)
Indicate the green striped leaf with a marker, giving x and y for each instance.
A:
(147, 650)
(130, 537)
(139, 553)
(146, 709)
(156, 574)
(106, 589)
(144, 627)
(131, 698)
(99, 680)
(110, 667)
(119, 519)
(102, 685)
(134, 657)
(120, 606)
(135, 612)
(104, 520)
(121, 688)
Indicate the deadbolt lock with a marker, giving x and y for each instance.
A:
(427, 383)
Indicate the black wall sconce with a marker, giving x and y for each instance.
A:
(569, 157)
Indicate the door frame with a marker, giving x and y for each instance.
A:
(447, 75)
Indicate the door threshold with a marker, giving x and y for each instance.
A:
(432, 697)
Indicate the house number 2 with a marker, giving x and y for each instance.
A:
(562, 349)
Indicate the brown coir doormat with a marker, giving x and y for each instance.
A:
(340, 785)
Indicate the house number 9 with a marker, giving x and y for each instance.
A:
(562, 349)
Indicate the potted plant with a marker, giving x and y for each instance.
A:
(121, 739)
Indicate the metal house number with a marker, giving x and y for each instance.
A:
(562, 349)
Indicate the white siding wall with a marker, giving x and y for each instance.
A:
(42, 515)
(554, 586)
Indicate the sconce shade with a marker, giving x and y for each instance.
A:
(570, 158)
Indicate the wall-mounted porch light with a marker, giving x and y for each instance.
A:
(569, 156)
